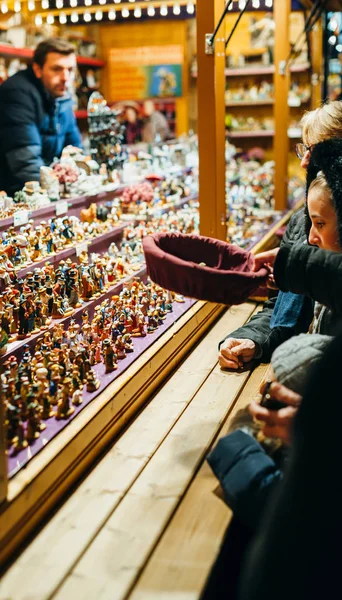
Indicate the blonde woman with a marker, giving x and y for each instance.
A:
(288, 314)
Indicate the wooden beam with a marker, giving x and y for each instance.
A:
(181, 563)
(211, 128)
(281, 13)
(316, 38)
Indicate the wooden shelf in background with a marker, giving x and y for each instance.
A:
(252, 134)
(250, 103)
(7, 50)
(267, 70)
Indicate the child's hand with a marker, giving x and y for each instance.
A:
(265, 259)
(278, 423)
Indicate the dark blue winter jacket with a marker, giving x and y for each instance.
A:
(34, 129)
(247, 475)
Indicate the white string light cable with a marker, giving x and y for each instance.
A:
(67, 15)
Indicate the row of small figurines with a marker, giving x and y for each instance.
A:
(45, 300)
(29, 305)
(33, 243)
(49, 381)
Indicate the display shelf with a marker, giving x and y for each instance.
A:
(266, 70)
(93, 245)
(267, 102)
(75, 205)
(28, 53)
(34, 491)
(251, 134)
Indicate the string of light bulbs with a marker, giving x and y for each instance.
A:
(126, 11)
(97, 10)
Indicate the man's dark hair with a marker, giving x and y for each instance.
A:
(51, 45)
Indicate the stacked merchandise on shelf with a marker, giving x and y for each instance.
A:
(76, 307)
(250, 197)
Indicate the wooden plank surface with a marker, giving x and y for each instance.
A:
(42, 567)
(181, 562)
(111, 564)
(37, 488)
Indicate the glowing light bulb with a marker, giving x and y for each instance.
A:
(87, 17)
(190, 8)
(88, 2)
(117, 1)
(31, 5)
(176, 9)
(269, 3)
(62, 19)
(137, 13)
(102, 1)
(151, 11)
(74, 17)
(112, 15)
(125, 13)
(163, 10)
(242, 4)
(98, 15)
(17, 6)
(38, 21)
(45, 4)
(256, 3)
(73, 3)
(59, 4)
(50, 19)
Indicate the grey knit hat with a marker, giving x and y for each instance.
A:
(294, 360)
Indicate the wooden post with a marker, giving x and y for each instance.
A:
(3, 459)
(316, 38)
(281, 13)
(211, 127)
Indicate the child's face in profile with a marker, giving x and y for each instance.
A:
(323, 232)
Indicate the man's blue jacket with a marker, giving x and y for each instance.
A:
(34, 129)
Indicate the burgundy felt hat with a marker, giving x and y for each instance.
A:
(202, 267)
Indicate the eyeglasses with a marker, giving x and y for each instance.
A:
(302, 149)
